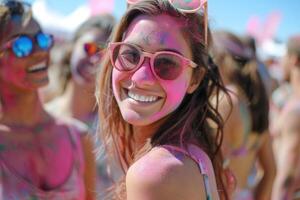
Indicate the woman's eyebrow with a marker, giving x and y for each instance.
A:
(170, 49)
(160, 49)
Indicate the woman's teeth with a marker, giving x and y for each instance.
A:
(142, 98)
(38, 67)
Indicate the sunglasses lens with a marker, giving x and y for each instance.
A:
(167, 66)
(22, 46)
(125, 57)
(44, 41)
(187, 5)
(90, 48)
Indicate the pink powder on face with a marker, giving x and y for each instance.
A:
(10, 70)
(14, 71)
(152, 34)
(176, 91)
(164, 37)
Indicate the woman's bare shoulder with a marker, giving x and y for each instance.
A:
(161, 174)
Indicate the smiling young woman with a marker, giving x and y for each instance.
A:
(41, 157)
(154, 107)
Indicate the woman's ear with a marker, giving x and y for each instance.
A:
(196, 80)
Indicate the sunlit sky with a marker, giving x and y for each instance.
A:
(232, 15)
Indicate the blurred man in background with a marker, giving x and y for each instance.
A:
(286, 128)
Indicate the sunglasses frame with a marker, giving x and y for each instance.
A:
(86, 47)
(184, 61)
(100, 48)
(34, 41)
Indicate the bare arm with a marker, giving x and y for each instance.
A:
(288, 163)
(233, 125)
(266, 160)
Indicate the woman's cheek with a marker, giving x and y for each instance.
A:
(117, 79)
(175, 92)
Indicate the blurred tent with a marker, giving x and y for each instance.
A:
(264, 31)
(271, 49)
(63, 25)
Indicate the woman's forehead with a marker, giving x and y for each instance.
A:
(161, 30)
(15, 28)
(93, 34)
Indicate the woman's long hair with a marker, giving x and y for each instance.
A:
(239, 64)
(190, 121)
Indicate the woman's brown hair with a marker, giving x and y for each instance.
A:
(190, 121)
(241, 70)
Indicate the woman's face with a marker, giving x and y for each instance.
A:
(142, 98)
(84, 67)
(30, 72)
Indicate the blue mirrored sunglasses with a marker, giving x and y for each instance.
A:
(22, 46)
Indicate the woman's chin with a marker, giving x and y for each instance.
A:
(136, 119)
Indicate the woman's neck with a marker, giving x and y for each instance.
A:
(81, 102)
(22, 108)
(143, 133)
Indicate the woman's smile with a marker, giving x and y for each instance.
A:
(140, 97)
(39, 67)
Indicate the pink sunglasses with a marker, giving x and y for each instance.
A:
(188, 6)
(165, 65)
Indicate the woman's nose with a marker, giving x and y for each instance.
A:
(39, 54)
(144, 75)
